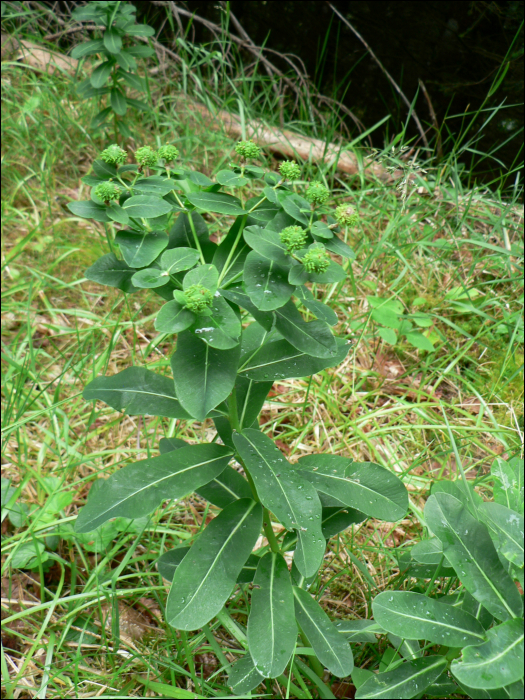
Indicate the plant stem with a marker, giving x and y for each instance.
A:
(226, 268)
(195, 237)
(313, 660)
(268, 531)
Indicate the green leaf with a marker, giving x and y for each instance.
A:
(331, 647)
(272, 631)
(87, 48)
(141, 51)
(415, 616)
(226, 488)
(221, 329)
(469, 549)
(140, 249)
(126, 61)
(206, 275)
(178, 259)
(408, 680)
(27, 555)
(313, 338)
(103, 170)
(89, 210)
(251, 396)
(266, 282)
(173, 318)
(336, 520)
(359, 631)
(508, 483)
(116, 213)
(150, 278)
(428, 552)
(146, 206)
(207, 575)
(267, 243)
(297, 207)
(112, 272)
(227, 178)
(138, 392)
(387, 317)
(204, 376)
(168, 562)
(132, 79)
(323, 312)
(365, 486)
(137, 489)
(118, 101)
(320, 230)
(140, 30)
(181, 233)
(243, 676)
(298, 274)
(238, 296)
(112, 40)
(507, 526)
(497, 663)
(388, 335)
(101, 74)
(339, 247)
(216, 202)
(280, 360)
(155, 184)
(286, 494)
(419, 341)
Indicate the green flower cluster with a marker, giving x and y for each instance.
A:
(293, 238)
(146, 156)
(168, 153)
(248, 150)
(346, 215)
(316, 260)
(113, 155)
(107, 191)
(317, 193)
(290, 170)
(198, 298)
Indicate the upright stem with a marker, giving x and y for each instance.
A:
(268, 531)
(195, 237)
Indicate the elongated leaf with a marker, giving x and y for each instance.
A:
(146, 206)
(281, 360)
(507, 526)
(238, 296)
(362, 485)
(469, 549)
(359, 630)
(178, 259)
(101, 74)
(181, 233)
(216, 202)
(204, 376)
(168, 562)
(339, 247)
(497, 663)
(111, 271)
(293, 500)
(116, 213)
(272, 631)
(250, 399)
(322, 311)
(415, 616)
(112, 40)
(331, 647)
(336, 520)
(232, 250)
(408, 680)
(267, 243)
(140, 30)
(221, 329)
(138, 392)
(428, 551)
(227, 178)
(150, 278)
(508, 483)
(137, 489)
(297, 207)
(313, 338)
(118, 101)
(266, 282)
(89, 210)
(206, 576)
(243, 676)
(87, 48)
(154, 185)
(227, 487)
(140, 249)
(174, 318)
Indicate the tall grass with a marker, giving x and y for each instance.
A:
(87, 617)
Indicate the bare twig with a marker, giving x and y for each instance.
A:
(435, 123)
(391, 79)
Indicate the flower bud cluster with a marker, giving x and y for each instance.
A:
(168, 153)
(317, 193)
(198, 298)
(293, 238)
(146, 157)
(316, 260)
(107, 191)
(346, 215)
(290, 170)
(113, 155)
(248, 150)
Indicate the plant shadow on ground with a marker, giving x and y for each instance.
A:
(452, 262)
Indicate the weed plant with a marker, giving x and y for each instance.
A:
(454, 255)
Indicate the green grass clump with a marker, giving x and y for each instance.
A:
(87, 610)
